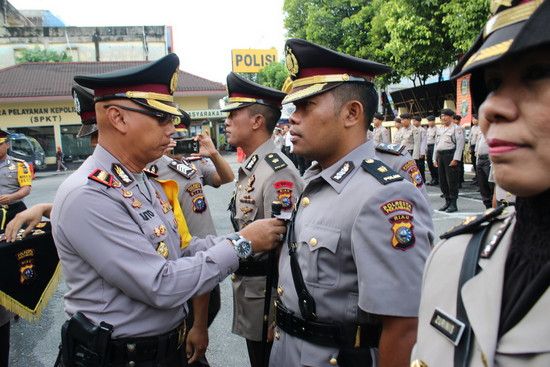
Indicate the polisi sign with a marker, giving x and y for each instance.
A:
(252, 60)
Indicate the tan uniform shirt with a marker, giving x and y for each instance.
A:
(526, 344)
(266, 176)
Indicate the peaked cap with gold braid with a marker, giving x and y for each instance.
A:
(4, 136)
(151, 85)
(84, 106)
(515, 26)
(243, 93)
(315, 69)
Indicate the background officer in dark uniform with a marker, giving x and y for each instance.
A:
(344, 293)
(266, 176)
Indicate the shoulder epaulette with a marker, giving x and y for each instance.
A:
(193, 158)
(395, 149)
(380, 171)
(101, 176)
(275, 161)
(473, 223)
(150, 172)
(182, 168)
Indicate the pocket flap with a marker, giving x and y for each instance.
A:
(318, 236)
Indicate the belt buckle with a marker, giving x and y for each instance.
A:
(182, 331)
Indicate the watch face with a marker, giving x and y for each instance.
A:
(243, 249)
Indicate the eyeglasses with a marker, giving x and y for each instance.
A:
(161, 117)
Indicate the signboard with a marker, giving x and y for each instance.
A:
(463, 99)
(252, 60)
(206, 114)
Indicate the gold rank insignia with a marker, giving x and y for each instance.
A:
(116, 184)
(136, 203)
(162, 249)
(160, 230)
(250, 183)
(246, 210)
(291, 63)
(127, 193)
(121, 174)
(174, 82)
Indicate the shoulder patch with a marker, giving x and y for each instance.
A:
(395, 149)
(275, 161)
(471, 224)
(380, 171)
(101, 176)
(183, 169)
(251, 162)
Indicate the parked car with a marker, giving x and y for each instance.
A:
(28, 149)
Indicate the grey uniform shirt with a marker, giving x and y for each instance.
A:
(451, 137)
(13, 175)
(398, 136)
(381, 135)
(347, 228)
(431, 135)
(190, 194)
(525, 344)
(475, 132)
(420, 143)
(482, 148)
(120, 251)
(259, 183)
(407, 138)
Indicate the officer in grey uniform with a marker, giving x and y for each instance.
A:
(266, 176)
(474, 137)
(408, 133)
(398, 131)
(128, 259)
(431, 135)
(486, 188)
(190, 177)
(342, 292)
(456, 120)
(420, 145)
(485, 292)
(380, 134)
(447, 156)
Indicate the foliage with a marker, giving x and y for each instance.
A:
(417, 38)
(273, 75)
(42, 55)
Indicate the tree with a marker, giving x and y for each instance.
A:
(42, 55)
(464, 20)
(273, 75)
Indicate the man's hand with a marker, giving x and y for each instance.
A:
(264, 234)
(206, 145)
(197, 342)
(5, 199)
(453, 163)
(29, 217)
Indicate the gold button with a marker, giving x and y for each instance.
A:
(280, 291)
(233, 277)
(333, 361)
(313, 241)
(305, 201)
(418, 363)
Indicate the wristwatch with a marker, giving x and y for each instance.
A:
(242, 246)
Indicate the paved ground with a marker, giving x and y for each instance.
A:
(35, 344)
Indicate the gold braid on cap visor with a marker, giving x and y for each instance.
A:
(334, 78)
(510, 16)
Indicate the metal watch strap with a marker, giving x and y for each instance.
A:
(305, 300)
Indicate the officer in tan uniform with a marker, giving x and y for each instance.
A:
(380, 134)
(341, 297)
(129, 261)
(447, 158)
(485, 292)
(266, 176)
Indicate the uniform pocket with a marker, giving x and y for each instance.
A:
(323, 263)
(254, 287)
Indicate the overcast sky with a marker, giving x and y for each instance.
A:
(205, 31)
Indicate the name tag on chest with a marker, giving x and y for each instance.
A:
(450, 327)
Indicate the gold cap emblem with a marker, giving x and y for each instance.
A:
(291, 63)
(174, 82)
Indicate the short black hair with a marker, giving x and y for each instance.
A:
(362, 92)
(457, 117)
(270, 114)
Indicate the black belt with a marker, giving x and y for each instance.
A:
(253, 268)
(483, 156)
(150, 348)
(327, 334)
(448, 151)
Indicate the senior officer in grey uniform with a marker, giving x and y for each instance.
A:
(349, 284)
(129, 261)
(266, 176)
(447, 158)
(380, 134)
(190, 177)
(485, 293)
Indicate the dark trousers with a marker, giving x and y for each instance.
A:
(431, 167)
(5, 345)
(255, 353)
(473, 158)
(460, 172)
(420, 163)
(448, 176)
(486, 188)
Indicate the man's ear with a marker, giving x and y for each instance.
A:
(352, 113)
(115, 117)
(258, 121)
